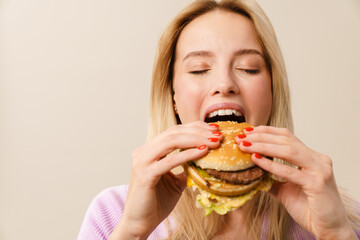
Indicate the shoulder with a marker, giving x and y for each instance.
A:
(109, 204)
(103, 214)
(113, 197)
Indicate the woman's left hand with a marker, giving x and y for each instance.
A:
(309, 194)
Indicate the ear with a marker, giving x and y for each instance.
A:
(176, 110)
(174, 104)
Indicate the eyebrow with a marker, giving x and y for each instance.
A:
(247, 51)
(198, 54)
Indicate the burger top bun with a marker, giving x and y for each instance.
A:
(228, 156)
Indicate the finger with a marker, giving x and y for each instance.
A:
(263, 138)
(268, 129)
(284, 171)
(293, 153)
(201, 124)
(173, 160)
(181, 138)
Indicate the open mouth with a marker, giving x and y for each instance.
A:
(225, 115)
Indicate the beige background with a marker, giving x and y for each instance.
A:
(75, 78)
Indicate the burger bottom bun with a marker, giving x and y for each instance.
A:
(223, 204)
(216, 187)
(210, 201)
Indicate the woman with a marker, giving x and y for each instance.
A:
(222, 55)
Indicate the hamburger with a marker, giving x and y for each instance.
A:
(226, 177)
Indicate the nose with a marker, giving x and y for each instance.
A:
(225, 84)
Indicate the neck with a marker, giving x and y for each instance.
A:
(235, 218)
(234, 225)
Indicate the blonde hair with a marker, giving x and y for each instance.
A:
(191, 223)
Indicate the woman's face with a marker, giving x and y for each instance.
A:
(219, 69)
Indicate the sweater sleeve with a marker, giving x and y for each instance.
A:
(103, 214)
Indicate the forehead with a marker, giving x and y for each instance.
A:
(218, 31)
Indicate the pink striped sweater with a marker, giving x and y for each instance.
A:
(107, 207)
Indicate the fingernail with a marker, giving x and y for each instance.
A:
(241, 136)
(249, 129)
(246, 144)
(213, 125)
(202, 147)
(213, 139)
(257, 155)
(217, 134)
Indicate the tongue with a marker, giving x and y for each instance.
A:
(232, 117)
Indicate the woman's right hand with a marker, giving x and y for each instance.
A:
(154, 190)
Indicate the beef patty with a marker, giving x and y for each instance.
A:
(237, 177)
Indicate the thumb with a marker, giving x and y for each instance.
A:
(275, 189)
(181, 180)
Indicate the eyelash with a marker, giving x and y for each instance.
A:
(248, 71)
(199, 72)
(251, 71)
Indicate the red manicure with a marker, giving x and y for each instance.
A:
(202, 147)
(213, 139)
(257, 155)
(213, 125)
(249, 129)
(246, 144)
(217, 134)
(241, 136)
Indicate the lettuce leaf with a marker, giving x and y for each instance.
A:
(223, 204)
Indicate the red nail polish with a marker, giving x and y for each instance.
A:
(246, 144)
(202, 147)
(249, 129)
(217, 134)
(241, 136)
(213, 139)
(213, 125)
(257, 155)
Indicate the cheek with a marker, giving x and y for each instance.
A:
(260, 101)
(187, 96)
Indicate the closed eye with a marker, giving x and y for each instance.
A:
(249, 71)
(199, 72)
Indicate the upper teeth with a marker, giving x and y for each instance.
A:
(223, 112)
